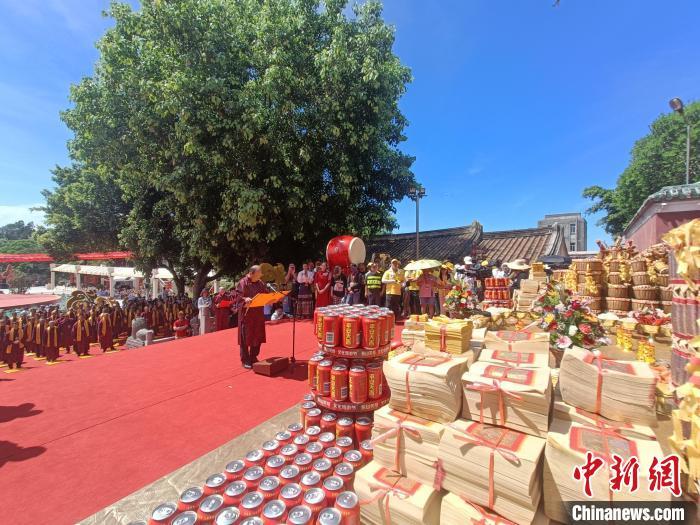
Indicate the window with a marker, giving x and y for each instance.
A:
(572, 246)
(572, 228)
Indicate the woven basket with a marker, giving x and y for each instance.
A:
(662, 279)
(594, 303)
(641, 279)
(639, 304)
(666, 306)
(597, 277)
(666, 293)
(593, 265)
(614, 278)
(645, 293)
(638, 265)
(618, 290)
(614, 265)
(618, 304)
(558, 275)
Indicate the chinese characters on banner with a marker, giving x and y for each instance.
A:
(664, 474)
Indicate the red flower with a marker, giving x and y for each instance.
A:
(585, 328)
(575, 305)
(552, 326)
(568, 314)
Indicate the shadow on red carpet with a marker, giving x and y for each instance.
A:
(78, 436)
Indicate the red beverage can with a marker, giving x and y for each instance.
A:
(339, 383)
(251, 505)
(344, 427)
(302, 440)
(375, 381)
(354, 457)
(215, 484)
(269, 487)
(284, 437)
(344, 443)
(308, 397)
(303, 461)
(331, 330)
(310, 480)
(383, 330)
(367, 451)
(328, 422)
(189, 517)
(332, 486)
(358, 384)
(352, 336)
(346, 472)
(324, 467)
(270, 448)
(291, 494)
(290, 474)
(190, 499)
(318, 324)
(313, 431)
(234, 492)
(314, 449)
(163, 513)
(329, 516)
(349, 506)
(303, 410)
(312, 368)
(295, 429)
(391, 319)
(334, 454)
(227, 516)
(274, 464)
(209, 508)
(288, 452)
(300, 515)
(363, 429)
(274, 512)
(235, 470)
(254, 458)
(323, 378)
(253, 476)
(315, 499)
(313, 417)
(370, 332)
(326, 439)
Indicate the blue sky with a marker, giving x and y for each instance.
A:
(515, 105)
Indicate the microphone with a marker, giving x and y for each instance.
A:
(270, 287)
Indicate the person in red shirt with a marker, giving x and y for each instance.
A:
(181, 326)
(322, 283)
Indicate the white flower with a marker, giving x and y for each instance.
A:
(463, 301)
(573, 330)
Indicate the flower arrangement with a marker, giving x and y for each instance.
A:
(568, 320)
(460, 301)
(651, 317)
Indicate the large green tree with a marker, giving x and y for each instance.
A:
(17, 230)
(233, 132)
(658, 160)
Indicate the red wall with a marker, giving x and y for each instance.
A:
(652, 230)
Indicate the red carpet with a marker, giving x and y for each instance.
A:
(78, 436)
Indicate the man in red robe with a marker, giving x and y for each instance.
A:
(14, 345)
(81, 335)
(105, 332)
(251, 321)
(222, 308)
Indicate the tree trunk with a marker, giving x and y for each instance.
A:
(200, 280)
(178, 279)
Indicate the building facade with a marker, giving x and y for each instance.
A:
(575, 229)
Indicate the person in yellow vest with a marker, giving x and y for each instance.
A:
(373, 284)
(411, 304)
(51, 342)
(81, 335)
(392, 280)
(14, 346)
(105, 332)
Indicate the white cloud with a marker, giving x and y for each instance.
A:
(21, 212)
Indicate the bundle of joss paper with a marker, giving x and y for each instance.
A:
(414, 330)
(458, 510)
(526, 341)
(427, 385)
(497, 468)
(514, 359)
(407, 444)
(387, 497)
(567, 445)
(617, 390)
(448, 335)
(515, 398)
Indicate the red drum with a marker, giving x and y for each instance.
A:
(345, 250)
(370, 332)
(323, 377)
(331, 330)
(358, 384)
(339, 383)
(375, 381)
(352, 337)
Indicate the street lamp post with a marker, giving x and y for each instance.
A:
(417, 193)
(677, 106)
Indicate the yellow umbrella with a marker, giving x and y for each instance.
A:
(423, 264)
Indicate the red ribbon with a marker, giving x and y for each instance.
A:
(443, 337)
(482, 388)
(598, 359)
(495, 447)
(384, 492)
(439, 475)
(396, 431)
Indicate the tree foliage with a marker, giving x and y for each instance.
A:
(17, 230)
(217, 133)
(658, 160)
(24, 274)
